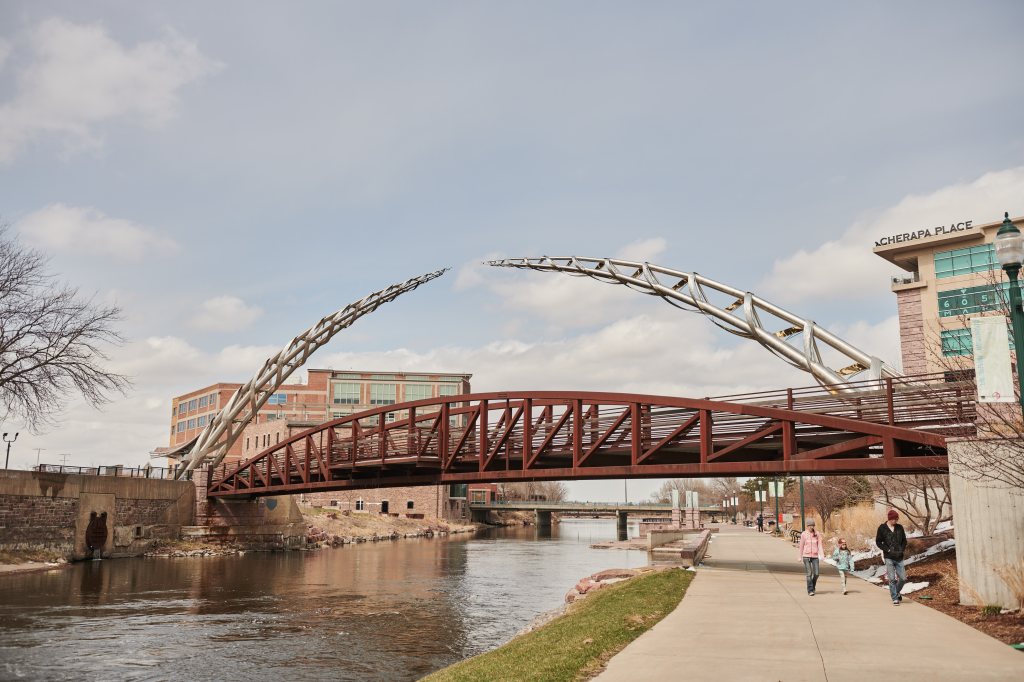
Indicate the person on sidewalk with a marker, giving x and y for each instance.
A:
(892, 540)
(760, 523)
(844, 561)
(811, 553)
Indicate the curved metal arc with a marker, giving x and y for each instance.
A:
(645, 278)
(217, 438)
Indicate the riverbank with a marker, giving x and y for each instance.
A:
(579, 643)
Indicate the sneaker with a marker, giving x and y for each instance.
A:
(844, 591)
(895, 602)
(810, 594)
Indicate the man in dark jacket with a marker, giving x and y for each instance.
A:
(892, 540)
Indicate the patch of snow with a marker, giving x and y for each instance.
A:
(944, 526)
(913, 587)
(934, 549)
(914, 534)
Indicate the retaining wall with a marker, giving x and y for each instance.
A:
(989, 524)
(51, 511)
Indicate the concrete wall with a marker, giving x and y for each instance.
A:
(48, 511)
(989, 522)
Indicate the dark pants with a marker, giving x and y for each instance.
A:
(760, 527)
(811, 570)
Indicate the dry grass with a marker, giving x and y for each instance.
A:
(361, 524)
(857, 525)
(1013, 576)
(25, 556)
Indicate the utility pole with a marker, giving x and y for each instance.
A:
(775, 486)
(8, 460)
(803, 522)
(64, 458)
(38, 450)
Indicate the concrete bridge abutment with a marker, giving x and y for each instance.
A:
(989, 522)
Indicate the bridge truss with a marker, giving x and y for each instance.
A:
(555, 435)
(792, 338)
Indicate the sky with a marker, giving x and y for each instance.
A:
(229, 174)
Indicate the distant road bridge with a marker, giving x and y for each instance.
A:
(890, 425)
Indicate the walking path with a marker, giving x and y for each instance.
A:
(747, 616)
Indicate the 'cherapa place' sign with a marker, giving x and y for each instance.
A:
(920, 234)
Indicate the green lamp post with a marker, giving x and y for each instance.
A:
(1009, 244)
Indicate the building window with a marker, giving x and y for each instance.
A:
(213, 399)
(204, 401)
(334, 503)
(979, 258)
(390, 417)
(181, 426)
(458, 490)
(271, 417)
(201, 421)
(191, 424)
(956, 342)
(359, 505)
(337, 415)
(410, 504)
(969, 300)
(383, 377)
(246, 443)
(447, 390)
(346, 394)
(192, 404)
(418, 391)
(382, 394)
(182, 408)
(277, 399)
(959, 342)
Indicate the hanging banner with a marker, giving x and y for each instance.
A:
(992, 359)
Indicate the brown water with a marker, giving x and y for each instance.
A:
(386, 611)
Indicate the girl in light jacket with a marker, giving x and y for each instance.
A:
(844, 561)
(811, 553)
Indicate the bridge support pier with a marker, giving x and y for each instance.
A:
(622, 524)
(989, 518)
(543, 519)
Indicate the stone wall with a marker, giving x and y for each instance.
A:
(913, 345)
(49, 511)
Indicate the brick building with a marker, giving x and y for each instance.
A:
(330, 394)
(952, 275)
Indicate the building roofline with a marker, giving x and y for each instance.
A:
(904, 254)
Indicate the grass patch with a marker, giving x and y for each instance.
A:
(576, 645)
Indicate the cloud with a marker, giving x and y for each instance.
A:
(79, 77)
(225, 313)
(846, 268)
(84, 230)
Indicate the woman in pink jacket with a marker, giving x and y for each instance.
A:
(811, 552)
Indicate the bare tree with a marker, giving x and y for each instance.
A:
(829, 494)
(549, 491)
(51, 340)
(923, 499)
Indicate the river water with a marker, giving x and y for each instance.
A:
(375, 611)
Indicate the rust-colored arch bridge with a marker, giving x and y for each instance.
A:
(893, 425)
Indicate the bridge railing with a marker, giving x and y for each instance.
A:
(112, 470)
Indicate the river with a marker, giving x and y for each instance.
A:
(375, 611)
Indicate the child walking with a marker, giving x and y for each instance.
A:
(844, 561)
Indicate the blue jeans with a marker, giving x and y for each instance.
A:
(811, 570)
(897, 576)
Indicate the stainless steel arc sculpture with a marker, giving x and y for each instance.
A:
(737, 312)
(216, 439)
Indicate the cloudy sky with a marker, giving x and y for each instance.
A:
(229, 174)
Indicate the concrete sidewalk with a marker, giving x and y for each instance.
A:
(747, 616)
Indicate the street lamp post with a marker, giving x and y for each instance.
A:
(1009, 244)
(7, 461)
